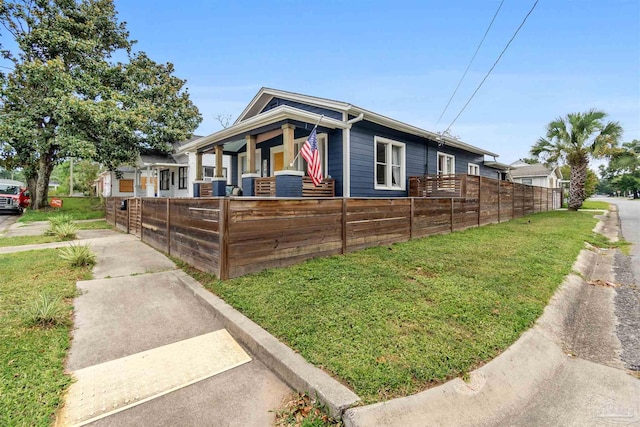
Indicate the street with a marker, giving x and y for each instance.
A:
(627, 272)
(6, 221)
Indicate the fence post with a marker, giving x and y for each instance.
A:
(451, 200)
(128, 216)
(479, 199)
(513, 200)
(223, 235)
(168, 226)
(344, 225)
(499, 191)
(141, 220)
(411, 220)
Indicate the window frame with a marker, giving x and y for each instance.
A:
(471, 166)
(300, 164)
(389, 166)
(453, 163)
(530, 181)
(165, 179)
(183, 176)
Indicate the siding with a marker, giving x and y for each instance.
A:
(276, 102)
(362, 158)
(335, 159)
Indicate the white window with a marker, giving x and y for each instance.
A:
(527, 181)
(389, 164)
(446, 164)
(473, 169)
(210, 172)
(301, 164)
(242, 162)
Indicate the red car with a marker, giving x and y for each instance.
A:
(13, 197)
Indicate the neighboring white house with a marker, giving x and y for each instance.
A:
(159, 175)
(537, 174)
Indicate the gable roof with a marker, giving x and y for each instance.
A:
(536, 169)
(265, 95)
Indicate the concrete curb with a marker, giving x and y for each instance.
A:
(292, 368)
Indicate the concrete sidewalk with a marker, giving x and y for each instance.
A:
(139, 308)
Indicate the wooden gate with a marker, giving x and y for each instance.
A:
(135, 216)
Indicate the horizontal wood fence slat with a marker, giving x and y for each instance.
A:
(230, 237)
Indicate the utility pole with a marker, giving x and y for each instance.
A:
(71, 177)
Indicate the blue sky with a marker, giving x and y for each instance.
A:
(404, 58)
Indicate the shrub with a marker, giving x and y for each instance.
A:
(62, 227)
(46, 311)
(64, 231)
(78, 255)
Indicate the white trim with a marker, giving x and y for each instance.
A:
(389, 143)
(473, 165)
(272, 116)
(346, 159)
(265, 95)
(289, 172)
(258, 166)
(272, 151)
(438, 171)
(250, 175)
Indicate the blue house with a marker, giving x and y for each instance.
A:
(363, 154)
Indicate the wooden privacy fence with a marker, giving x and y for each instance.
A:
(230, 237)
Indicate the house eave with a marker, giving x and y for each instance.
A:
(265, 95)
(413, 130)
(275, 115)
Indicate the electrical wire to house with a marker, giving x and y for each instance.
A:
(469, 65)
(492, 67)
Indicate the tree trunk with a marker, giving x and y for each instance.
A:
(577, 180)
(41, 197)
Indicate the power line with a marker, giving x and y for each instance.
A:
(469, 65)
(492, 67)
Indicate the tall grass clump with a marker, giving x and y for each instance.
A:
(62, 227)
(78, 255)
(46, 311)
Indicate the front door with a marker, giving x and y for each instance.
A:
(278, 161)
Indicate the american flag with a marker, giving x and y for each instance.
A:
(310, 153)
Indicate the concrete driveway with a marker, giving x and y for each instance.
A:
(7, 221)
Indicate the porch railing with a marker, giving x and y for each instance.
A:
(438, 186)
(266, 187)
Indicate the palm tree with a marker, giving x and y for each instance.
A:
(574, 140)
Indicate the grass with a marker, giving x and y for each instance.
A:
(74, 207)
(78, 255)
(94, 225)
(26, 240)
(392, 321)
(33, 240)
(593, 204)
(32, 357)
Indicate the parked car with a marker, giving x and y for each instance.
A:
(13, 196)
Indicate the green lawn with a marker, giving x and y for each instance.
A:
(594, 204)
(26, 240)
(76, 207)
(392, 321)
(31, 240)
(31, 357)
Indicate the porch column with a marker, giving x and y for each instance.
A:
(149, 189)
(287, 142)
(219, 182)
(250, 175)
(219, 155)
(198, 166)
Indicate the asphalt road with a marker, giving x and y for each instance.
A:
(6, 221)
(627, 271)
(629, 213)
